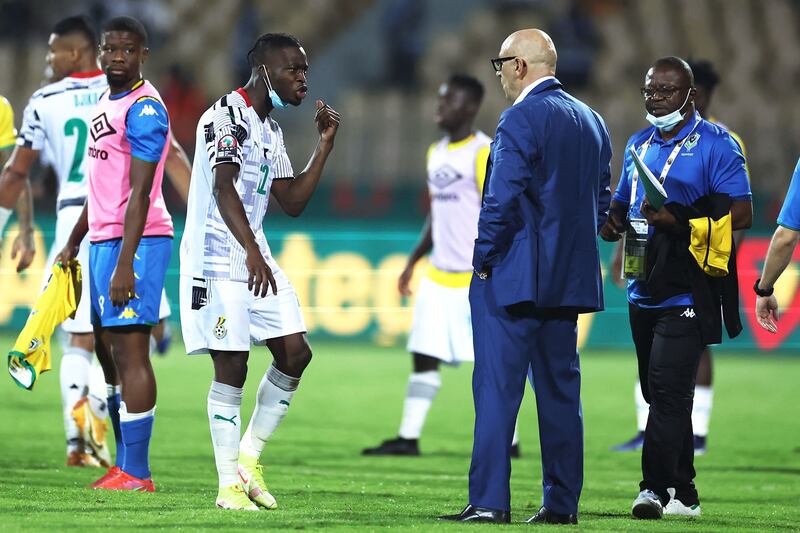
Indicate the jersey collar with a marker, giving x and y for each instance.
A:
(458, 144)
(243, 93)
(126, 93)
(90, 74)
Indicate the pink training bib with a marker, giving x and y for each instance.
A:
(109, 171)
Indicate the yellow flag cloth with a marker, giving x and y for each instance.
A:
(30, 356)
(710, 244)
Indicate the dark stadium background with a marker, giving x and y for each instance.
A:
(379, 63)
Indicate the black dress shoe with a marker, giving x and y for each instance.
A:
(544, 516)
(398, 446)
(479, 514)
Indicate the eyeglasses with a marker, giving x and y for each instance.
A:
(665, 92)
(497, 63)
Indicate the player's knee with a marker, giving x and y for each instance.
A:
(425, 363)
(298, 360)
(304, 356)
(230, 369)
(84, 341)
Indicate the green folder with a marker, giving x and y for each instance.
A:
(653, 189)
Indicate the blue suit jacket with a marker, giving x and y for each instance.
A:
(546, 198)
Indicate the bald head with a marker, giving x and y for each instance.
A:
(534, 57)
(534, 46)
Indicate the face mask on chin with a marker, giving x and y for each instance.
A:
(669, 121)
(277, 101)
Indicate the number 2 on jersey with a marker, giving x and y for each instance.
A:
(263, 182)
(76, 126)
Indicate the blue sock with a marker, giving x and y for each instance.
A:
(136, 437)
(113, 412)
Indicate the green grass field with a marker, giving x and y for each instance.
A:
(351, 398)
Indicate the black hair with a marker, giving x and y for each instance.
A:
(270, 41)
(80, 25)
(470, 84)
(704, 74)
(128, 24)
(678, 64)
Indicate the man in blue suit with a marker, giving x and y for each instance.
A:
(537, 266)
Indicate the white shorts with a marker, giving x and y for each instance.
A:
(82, 323)
(442, 326)
(224, 315)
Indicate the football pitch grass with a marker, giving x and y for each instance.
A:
(350, 398)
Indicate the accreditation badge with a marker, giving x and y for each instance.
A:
(635, 244)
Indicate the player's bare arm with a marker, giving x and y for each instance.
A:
(79, 231)
(23, 245)
(13, 181)
(293, 195)
(424, 245)
(178, 168)
(122, 283)
(15, 175)
(232, 211)
(779, 255)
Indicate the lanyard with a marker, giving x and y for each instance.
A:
(670, 160)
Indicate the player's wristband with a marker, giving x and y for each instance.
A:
(762, 292)
(5, 214)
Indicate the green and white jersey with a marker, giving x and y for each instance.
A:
(232, 133)
(57, 121)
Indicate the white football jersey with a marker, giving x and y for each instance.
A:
(231, 132)
(56, 122)
(456, 173)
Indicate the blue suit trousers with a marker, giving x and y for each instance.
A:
(508, 341)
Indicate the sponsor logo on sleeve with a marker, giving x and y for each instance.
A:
(227, 145)
(148, 111)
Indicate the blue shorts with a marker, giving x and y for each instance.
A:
(149, 268)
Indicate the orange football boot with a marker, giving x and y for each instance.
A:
(124, 481)
(112, 472)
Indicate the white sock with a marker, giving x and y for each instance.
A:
(99, 406)
(97, 381)
(515, 438)
(74, 377)
(642, 407)
(701, 410)
(112, 390)
(125, 416)
(422, 389)
(224, 417)
(274, 396)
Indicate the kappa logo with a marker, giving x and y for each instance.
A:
(444, 177)
(689, 313)
(128, 313)
(219, 329)
(148, 111)
(101, 127)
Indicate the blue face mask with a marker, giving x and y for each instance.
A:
(670, 120)
(277, 101)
